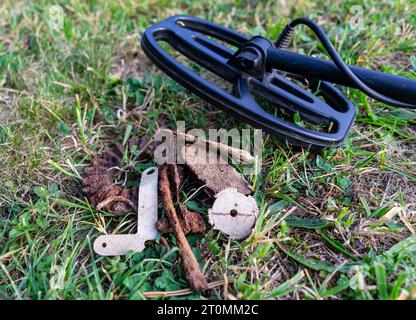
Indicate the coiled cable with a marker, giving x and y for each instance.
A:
(286, 35)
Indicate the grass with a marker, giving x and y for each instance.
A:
(61, 92)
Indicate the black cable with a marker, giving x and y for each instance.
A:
(287, 33)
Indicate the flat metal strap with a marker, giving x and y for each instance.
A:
(120, 244)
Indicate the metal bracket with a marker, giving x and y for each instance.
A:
(119, 244)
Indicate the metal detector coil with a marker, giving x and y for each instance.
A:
(259, 74)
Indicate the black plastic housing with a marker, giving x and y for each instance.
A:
(193, 38)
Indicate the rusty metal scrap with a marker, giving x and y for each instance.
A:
(98, 184)
(193, 273)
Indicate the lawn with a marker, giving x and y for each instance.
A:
(68, 93)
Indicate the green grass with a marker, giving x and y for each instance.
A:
(59, 96)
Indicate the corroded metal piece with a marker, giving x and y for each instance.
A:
(233, 213)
